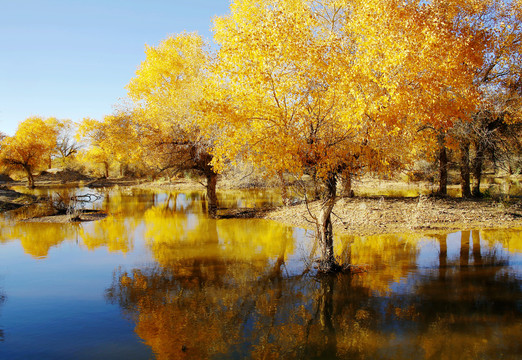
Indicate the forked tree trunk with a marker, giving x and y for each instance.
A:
(327, 263)
(464, 170)
(211, 194)
(477, 170)
(443, 170)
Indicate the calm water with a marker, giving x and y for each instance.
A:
(157, 279)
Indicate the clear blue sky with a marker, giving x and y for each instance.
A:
(72, 58)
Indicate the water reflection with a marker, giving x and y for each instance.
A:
(238, 288)
(466, 306)
(114, 234)
(38, 238)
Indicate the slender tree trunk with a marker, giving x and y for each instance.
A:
(327, 263)
(30, 178)
(464, 170)
(211, 194)
(477, 169)
(106, 168)
(443, 171)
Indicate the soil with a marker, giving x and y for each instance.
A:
(85, 215)
(64, 176)
(379, 215)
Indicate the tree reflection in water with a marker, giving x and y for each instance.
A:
(230, 305)
(228, 288)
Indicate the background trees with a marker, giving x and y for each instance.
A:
(66, 146)
(31, 147)
(111, 142)
(500, 81)
(495, 27)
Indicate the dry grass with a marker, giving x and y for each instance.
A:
(365, 216)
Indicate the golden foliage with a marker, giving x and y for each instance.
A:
(336, 84)
(31, 147)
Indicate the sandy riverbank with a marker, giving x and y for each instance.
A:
(367, 216)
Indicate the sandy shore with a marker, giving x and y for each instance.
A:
(367, 216)
(358, 216)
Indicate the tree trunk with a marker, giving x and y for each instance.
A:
(30, 179)
(106, 168)
(443, 171)
(327, 263)
(211, 194)
(477, 169)
(464, 170)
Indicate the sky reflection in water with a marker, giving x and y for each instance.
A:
(157, 278)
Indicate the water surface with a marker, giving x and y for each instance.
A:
(158, 279)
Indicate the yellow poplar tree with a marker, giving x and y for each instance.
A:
(327, 86)
(111, 140)
(499, 80)
(99, 150)
(30, 148)
(166, 91)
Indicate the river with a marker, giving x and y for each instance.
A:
(158, 279)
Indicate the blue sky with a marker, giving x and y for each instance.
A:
(72, 58)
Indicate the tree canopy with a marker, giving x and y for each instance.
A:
(31, 147)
